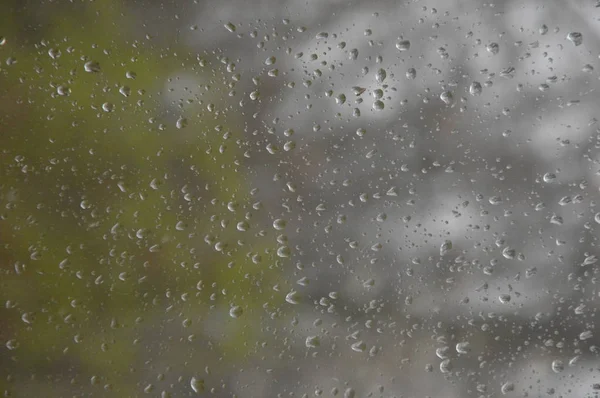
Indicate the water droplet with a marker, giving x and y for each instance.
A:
(504, 298)
(349, 393)
(359, 346)
(558, 366)
(293, 297)
(279, 224)
(446, 366)
(313, 342)
(447, 97)
(493, 48)
(243, 226)
(54, 53)
(507, 387)
(549, 177)
(380, 75)
(125, 91)
(197, 385)
(495, 200)
(586, 335)
(340, 99)
(463, 347)
(509, 253)
(445, 247)
(236, 311)
(108, 107)
(283, 251)
(230, 27)
(92, 67)
(181, 123)
(358, 90)
(403, 45)
(12, 344)
(378, 105)
(442, 352)
(411, 73)
(63, 90)
(475, 89)
(575, 37)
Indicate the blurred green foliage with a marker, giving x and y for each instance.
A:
(102, 291)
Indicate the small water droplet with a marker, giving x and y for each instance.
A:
(445, 247)
(293, 297)
(475, 89)
(359, 346)
(403, 45)
(181, 123)
(493, 48)
(236, 311)
(197, 385)
(230, 27)
(507, 387)
(558, 366)
(313, 342)
(575, 37)
(279, 224)
(380, 75)
(92, 67)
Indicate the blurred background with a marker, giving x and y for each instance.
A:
(297, 199)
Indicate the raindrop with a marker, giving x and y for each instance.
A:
(403, 45)
(549, 177)
(558, 366)
(380, 75)
(507, 387)
(446, 366)
(575, 37)
(92, 67)
(313, 342)
(279, 224)
(359, 346)
(509, 253)
(378, 105)
(493, 48)
(181, 123)
(463, 347)
(236, 311)
(475, 89)
(447, 97)
(230, 27)
(293, 297)
(504, 298)
(197, 385)
(445, 247)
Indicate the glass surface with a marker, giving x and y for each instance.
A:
(299, 198)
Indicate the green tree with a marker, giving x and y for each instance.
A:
(119, 211)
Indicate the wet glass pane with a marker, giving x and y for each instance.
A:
(299, 198)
